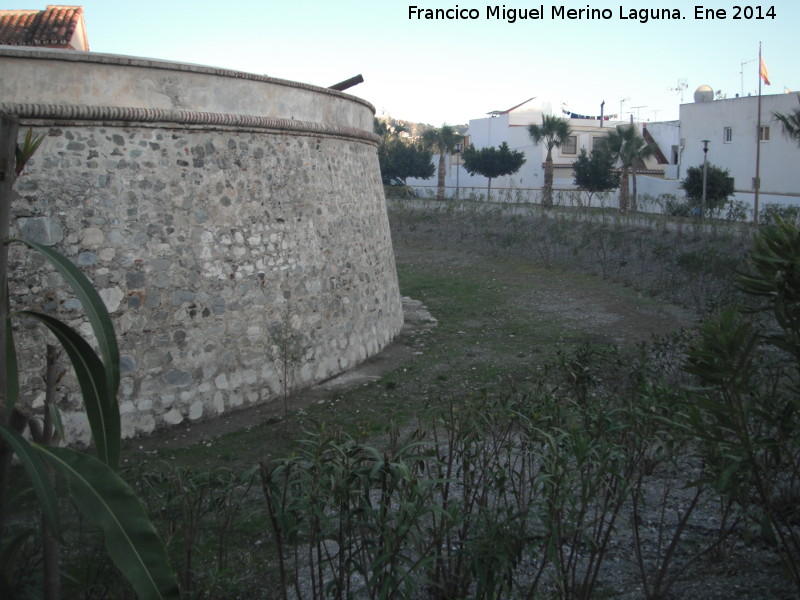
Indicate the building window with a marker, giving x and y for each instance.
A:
(727, 135)
(763, 133)
(570, 146)
(597, 141)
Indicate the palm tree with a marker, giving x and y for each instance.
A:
(626, 145)
(442, 141)
(791, 124)
(553, 131)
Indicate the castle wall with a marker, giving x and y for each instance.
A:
(235, 226)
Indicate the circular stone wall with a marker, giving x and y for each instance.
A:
(235, 226)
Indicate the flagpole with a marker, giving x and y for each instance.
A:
(758, 143)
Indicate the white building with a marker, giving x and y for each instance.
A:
(511, 126)
(730, 126)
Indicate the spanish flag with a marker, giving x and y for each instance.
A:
(763, 72)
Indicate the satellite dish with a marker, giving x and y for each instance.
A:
(704, 93)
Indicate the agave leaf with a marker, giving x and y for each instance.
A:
(102, 412)
(108, 503)
(95, 309)
(58, 423)
(28, 149)
(35, 469)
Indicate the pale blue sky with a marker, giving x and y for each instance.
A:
(451, 71)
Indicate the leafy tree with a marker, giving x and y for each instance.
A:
(595, 173)
(492, 162)
(626, 145)
(719, 186)
(443, 142)
(791, 124)
(553, 131)
(401, 159)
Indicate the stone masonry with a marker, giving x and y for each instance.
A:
(240, 255)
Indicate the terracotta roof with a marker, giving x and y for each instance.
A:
(53, 27)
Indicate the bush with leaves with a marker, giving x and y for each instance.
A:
(493, 497)
(773, 213)
(719, 187)
(492, 162)
(399, 159)
(745, 411)
(595, 173)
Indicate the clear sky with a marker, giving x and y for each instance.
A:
(450, 71)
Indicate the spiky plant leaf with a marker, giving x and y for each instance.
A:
(35, 469)
(95, 308)
(108, 503)
(101, 411)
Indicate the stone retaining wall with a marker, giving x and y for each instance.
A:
(240, 254)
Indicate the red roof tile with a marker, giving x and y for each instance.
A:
(53, 27)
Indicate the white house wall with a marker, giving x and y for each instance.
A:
(780, 177)
(512, 128)
(667, 134)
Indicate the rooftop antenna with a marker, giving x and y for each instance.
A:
(638, 108)
(621, 102)
(680, 87)
(741, 71)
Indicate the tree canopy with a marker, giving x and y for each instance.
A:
(400, 159)
(595, 173)
(719, 186)
(493, 162)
